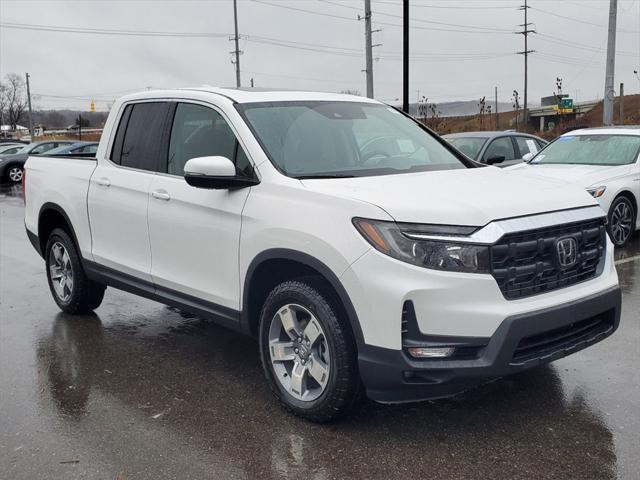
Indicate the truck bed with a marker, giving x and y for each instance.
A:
(61, 181)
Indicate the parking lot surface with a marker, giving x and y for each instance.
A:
(140, 390)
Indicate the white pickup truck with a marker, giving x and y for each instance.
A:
(359, 248)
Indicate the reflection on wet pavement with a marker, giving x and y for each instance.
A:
(140, 390)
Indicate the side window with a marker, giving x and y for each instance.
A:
(527, 145)
(40, 149)
(143, 136)
(500, 147)
(90, 149)
(541, 145)
(200, 131)
(116, 152)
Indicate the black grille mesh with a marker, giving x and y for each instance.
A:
(525, 263)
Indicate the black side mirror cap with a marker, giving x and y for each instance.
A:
(219, 183)
(496, 159)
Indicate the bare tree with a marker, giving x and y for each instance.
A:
(13, 100)
(482, 106)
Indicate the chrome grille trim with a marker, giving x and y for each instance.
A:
(494, 231)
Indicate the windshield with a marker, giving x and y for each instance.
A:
(591, 150)
(343, 139)
(470, 146)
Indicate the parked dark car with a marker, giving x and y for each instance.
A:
(8, 148)
(75, 148)
(11, 165)
(496, 148)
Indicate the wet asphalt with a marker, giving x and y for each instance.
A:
(140, 391)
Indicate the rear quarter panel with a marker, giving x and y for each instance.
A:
(63, 182)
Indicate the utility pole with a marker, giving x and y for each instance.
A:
(29, 102)
(525, 32)
(405, 56)
(621, 103)
(497, 117)
(609, 93)
(368, 47)
(235, 38)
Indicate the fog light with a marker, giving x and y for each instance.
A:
(431, 352)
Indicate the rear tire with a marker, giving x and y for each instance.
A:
(310, 361)
(14, 173)
(70, 287)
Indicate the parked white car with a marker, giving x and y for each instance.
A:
(356, 246)
(604, 161)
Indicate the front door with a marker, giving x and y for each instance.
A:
(195, 232)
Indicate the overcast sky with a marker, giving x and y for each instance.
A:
(460, 49)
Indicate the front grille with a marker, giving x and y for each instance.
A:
(564, 338)
(526, 263)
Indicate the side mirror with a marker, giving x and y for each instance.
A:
(527, 156)
(214, 173)
(496, 159)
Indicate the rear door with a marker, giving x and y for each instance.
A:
(195, 232)
(119, 190)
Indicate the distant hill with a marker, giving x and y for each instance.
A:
(53, 119)
(461, 108)
(593, 118)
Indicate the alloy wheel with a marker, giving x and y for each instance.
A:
(15, 174)
(299, 352)
(61, 271)
(621, 222)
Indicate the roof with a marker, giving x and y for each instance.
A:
(614, 130)
(249, 95)
(489, 134)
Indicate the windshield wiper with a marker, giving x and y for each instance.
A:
(323, 175)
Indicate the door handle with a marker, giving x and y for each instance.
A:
(161, 195)
(104, 182)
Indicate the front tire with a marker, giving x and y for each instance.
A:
(622, 221)
(70, 287)
(307, 350)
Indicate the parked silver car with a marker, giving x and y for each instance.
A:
(496, 148)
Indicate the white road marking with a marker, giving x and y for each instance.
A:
(627, 260)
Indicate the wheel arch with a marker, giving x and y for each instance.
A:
(628, 194)
(50, 217)
(272, 266)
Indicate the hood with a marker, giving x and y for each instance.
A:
(582, 175)
(474, 196)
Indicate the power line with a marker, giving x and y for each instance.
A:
(102, 31)
(449, 7)
(419, 20)
(415, 27)
(584, 22)
(579, 46)
(306, 46)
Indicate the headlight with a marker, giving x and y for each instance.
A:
(393, 239)
(597, 192)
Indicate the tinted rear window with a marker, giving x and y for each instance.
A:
(142, 136)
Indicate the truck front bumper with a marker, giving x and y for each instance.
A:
(521, 342)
